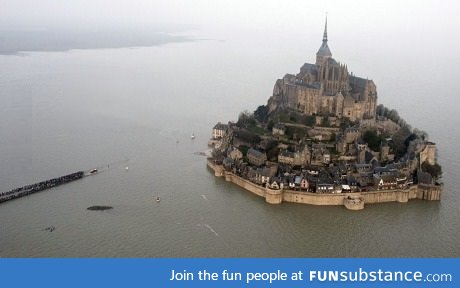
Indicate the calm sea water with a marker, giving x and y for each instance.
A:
(62, 112)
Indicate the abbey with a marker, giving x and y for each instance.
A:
(327, 89)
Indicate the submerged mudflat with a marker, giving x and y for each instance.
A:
(98, 207)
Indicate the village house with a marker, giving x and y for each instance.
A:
(278, 129)
(351, 134)
(219, 131)
(275, 185)
(304, 184)
(298, 158)
(385, 182)
(235, 154)
(256, 157)
(324, 188)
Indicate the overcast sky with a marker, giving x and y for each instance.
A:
(417, 29)
(206, 14)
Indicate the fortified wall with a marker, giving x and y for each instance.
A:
(352, 201)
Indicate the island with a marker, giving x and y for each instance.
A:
(322, 139)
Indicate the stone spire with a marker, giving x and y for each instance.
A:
(324, 52)
(325, 31)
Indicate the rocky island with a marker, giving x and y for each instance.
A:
(322, 139)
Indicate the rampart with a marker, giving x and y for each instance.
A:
(352, 201)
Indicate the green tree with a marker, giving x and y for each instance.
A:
(420, 133)
(379, 110)
(246, 119)
(248, 137)
(310, 121)
(393, 115)
(400, 142)
(270, 125)
(434, 170)
(272, 150)
(244, 149)
(293, 117)
(261, 113)
(333, 137)
(372, 139)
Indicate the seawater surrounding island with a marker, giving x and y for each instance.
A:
(62, 111)
(323, 140)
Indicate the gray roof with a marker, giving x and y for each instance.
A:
(287, 154)
(424, 177)
(309, 68)
(324, 50)
(220, 126)
(255, 152)
(368, 156)
(357, 84)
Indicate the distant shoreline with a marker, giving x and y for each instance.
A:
(17, 42)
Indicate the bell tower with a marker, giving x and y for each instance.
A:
(324, 52)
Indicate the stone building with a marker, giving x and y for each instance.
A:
(298, 158)
(278, 129)
(428, 154)
(219, 131)
(326, 88)
(256, 157)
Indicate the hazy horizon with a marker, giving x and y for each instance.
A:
(397, 44)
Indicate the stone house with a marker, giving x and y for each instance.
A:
(324, 188)
(428, 154)
(274, 185)
(256, 157)
(298, 158)
(385, 153)
(304, 184)
(235, 154)
(219, 130)
(278, 129)
(351, 134)
(385, 182)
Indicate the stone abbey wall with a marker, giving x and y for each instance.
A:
(352, 201)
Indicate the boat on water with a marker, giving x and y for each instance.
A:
(93, 171)
(50, 228)
(157, 199)
(193, 136)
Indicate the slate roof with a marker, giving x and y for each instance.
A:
(324, 50)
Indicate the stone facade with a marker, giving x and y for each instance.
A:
(326, 88)
(428, 154)
(298, 158)
(274, 196)
(219, 131)
(256, 157)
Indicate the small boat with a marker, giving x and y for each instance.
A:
(93, 171)
(126, 168)
(50, 228)
(193, 136)
(158, 199)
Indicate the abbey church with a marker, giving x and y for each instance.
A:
(327, 89)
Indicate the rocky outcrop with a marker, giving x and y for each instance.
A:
(98, 207)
